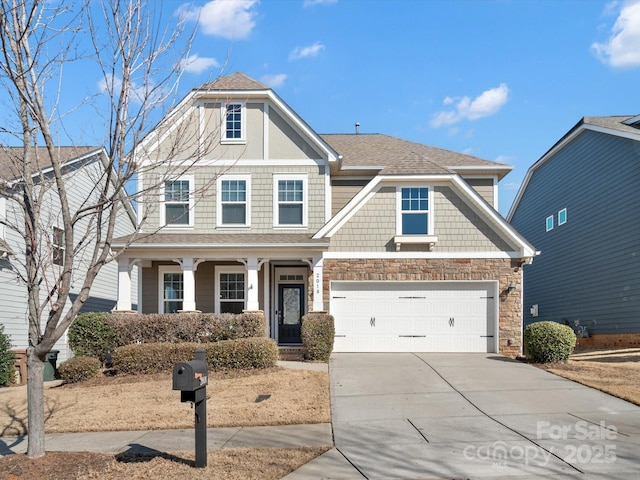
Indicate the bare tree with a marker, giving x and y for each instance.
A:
(133, 49)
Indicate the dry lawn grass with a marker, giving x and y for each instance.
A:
(227, 464)
(149, 403)
(615, 371)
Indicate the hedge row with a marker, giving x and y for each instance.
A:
(97, 334)
(79, 368)
(243, 353)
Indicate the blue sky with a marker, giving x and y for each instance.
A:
(502, 80)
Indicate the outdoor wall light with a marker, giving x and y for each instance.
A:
(511, 288)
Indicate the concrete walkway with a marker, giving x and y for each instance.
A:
(471, 416)
(287, 436)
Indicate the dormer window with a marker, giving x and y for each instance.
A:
(414, 210)
(234, 123)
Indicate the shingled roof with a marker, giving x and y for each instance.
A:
(235, 81)
(11, 159)
(395, 156)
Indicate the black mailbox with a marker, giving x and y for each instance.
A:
(190, 378)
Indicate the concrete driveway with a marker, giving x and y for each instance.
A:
(474, 416)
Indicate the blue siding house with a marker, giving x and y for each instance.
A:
(580, 206)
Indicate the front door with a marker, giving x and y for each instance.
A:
(291, 309)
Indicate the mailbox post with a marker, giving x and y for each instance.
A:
(191, 379)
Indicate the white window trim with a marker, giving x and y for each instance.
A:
(430, 216)
(564, 210)
(229, 269)
(243, 124)
(163, 216)
(276, 203)
(162, 269)
(548, 224)
(247, 180)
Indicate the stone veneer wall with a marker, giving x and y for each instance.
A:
(504, 271)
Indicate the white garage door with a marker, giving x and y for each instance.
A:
(414, 316)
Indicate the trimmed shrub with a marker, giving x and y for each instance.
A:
(7, 358)
(546, 342)
(244, 353)
(318, 332)
(92, 335)
(79, 368)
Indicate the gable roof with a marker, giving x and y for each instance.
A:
(625, 126)
(234, 81)
(10, 159)
(395, 156)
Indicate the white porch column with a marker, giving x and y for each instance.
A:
(124, 284)
(253, 266)
(318, 303)
(189, 285)
(266, 297)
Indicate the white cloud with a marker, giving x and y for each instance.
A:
(197, 64)
(622, 49)
(510, 186)
(304, 52)
(485, 105)
(275, 80)
(311, 3)
(231, 19)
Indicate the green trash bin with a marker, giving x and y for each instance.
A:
(50, 366)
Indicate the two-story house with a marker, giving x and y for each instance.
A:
(580, 205)
(399, 241)
(83, 172)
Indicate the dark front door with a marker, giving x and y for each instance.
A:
(291, 309)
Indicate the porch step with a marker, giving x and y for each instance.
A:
(292, 353)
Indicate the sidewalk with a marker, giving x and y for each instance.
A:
(286, 436)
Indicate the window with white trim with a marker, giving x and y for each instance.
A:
(233, 129)
(549, 223)
(414, 211)
(290, 200)
(234, 193)
(177, 198)
(57, 246)
(231, 290)
(171, 289)
(562, 217)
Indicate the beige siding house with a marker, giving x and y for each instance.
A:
(399, 241)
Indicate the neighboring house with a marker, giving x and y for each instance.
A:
(580, 206)
(82, 169)
(399, 241)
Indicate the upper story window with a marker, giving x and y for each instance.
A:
(57, 244)
(414, 211)
(177, 202)
(290, 200)
(233, 201)
(549, 223)
(562, 216)
(233, 129)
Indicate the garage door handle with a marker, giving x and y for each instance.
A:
(452, 322)
(412, 336)
(486, 336)
(372, 322)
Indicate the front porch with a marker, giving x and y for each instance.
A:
(285, 289)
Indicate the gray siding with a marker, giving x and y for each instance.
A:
(588, 268)
(484, 187)
(342, 191)
(457, 226)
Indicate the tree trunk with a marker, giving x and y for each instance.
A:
(35, 402)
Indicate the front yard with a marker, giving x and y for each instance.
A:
(614, 370)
